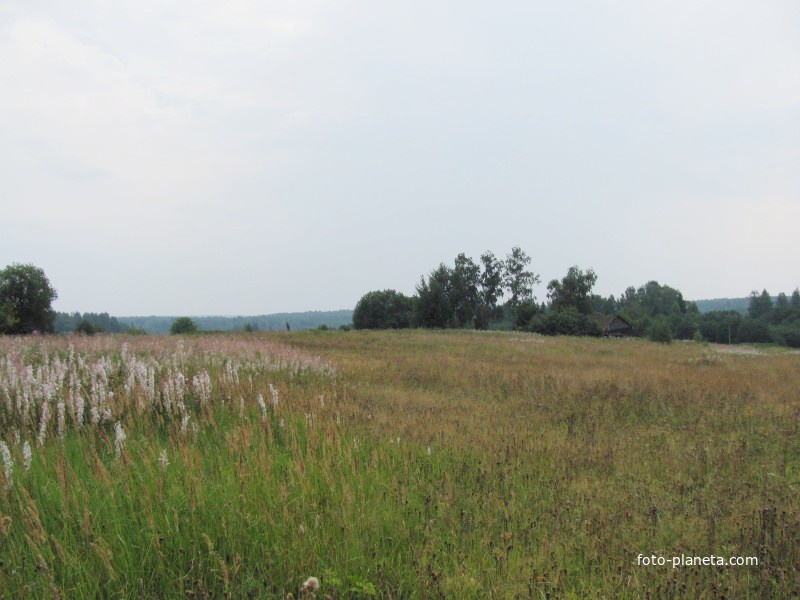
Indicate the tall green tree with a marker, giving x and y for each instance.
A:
(464, 289)
(604, 306)
(760, 305)
(518, 280)
(642, 305)
(491, 290)
(467, 295)
(781, 311)
(26, 299)
(573, 291)
(434, 308)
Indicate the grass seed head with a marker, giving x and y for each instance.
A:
(8, 463)
(310, 586)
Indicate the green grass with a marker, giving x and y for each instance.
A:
(401, 465)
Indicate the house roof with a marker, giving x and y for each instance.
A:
(605, 321)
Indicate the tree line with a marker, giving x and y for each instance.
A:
(88, 323)
(767, 321)
(469, 294)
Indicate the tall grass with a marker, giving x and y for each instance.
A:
(397, 465)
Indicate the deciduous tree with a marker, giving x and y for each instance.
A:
(26, 299)
(183, 325)
(386, 309)
(464, 284)
(434, 308)
(573, 291)
(519, 281)
(491, 290)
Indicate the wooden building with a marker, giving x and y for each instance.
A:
(614, 326)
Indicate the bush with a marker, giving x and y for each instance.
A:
(789, 335)
(660, 331)
(526, 312)
(567, 321)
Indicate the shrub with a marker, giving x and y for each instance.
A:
(789, 335)
(660, 331)
(567, 321)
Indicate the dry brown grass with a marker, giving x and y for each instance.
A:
(640, 447)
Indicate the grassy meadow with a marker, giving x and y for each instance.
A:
(395, 465)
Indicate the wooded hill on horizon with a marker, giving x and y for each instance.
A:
(66, 322)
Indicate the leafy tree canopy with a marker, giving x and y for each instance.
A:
(464, 290)
(760, 305)
(183, 325)
(518, 279)
(26, 299)
(491, 290)
(434, 299)
(573, 291)
(387, 309)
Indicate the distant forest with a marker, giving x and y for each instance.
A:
(103, 322)
(739, 305)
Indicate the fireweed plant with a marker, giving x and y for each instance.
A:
(394, 465)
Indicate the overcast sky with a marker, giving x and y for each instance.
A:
(171, 157)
